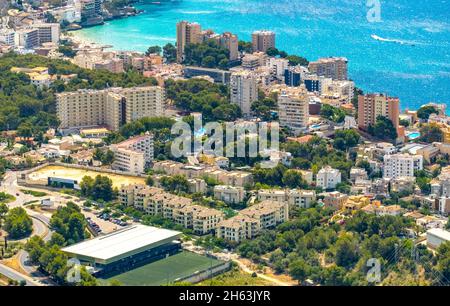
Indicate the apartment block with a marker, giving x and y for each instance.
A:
(134, 154)
(243, 90)
(294, 197)
(401, 165)
(238, 228)
(111, 107)
(229, 194)
(155, 201)
(371, 106)
(187, 33)
(335, 200)
(293, 107)
(328, 178)
(332, 67)
(263, 40)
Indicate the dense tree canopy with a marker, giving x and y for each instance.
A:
(17, 223)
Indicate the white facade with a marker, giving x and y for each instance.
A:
(402, 165)
(243, 90)
(133, 154)
(293, 107)
(328, 178)
(7, 36)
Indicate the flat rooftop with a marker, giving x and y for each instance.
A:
(440, 233)
(121, 244)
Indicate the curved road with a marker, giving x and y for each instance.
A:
(40, 228)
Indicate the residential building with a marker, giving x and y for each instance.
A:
(110, 107)
(263, 40)
(134, 154)
(27, 38)
(293, 107)
(358, 173)
(332, 67)
(187, 33)
(398, 165)
(238, 228)
(231, 43)
(229, 194)
(7, 36)
(243, 90)
(268, 213)
(294, 197)
(47, 32)
(335, 200)
(371, 106)
(156, 202)
(328, 178)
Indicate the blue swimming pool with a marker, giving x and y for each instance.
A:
(413, 135)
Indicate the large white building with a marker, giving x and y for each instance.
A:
(111, 107)
(401, 165)
(133, 154)
(47, 32)
(243, 90)
(328, 178)
(293, 107)
(437, 236)
(7, 36)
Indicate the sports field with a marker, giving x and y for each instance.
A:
(165, 271)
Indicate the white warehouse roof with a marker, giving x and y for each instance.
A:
(440, 233)
(121, 244)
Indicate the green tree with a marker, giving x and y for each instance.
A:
(170, 53)
(383, 129)
(431, 133)
(425, 111)
(299, 270)
(17, 223)
(153, 50)
(293, 179)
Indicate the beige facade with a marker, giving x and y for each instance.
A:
(155, 201)
(333, 67)
(187, 33)
(263, 40)
(294, 197)
(229, 194)
(111, 107)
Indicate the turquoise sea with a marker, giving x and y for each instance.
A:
(409, 56)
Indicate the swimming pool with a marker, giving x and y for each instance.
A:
(413, 135)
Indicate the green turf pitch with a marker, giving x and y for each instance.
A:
(165, 271)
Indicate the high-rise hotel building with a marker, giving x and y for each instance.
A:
(111, 107)
(263, 40)
(187, 33)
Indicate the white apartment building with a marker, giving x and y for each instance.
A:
(293, 107)
(111, 107)
(27, 38)
(294, 197)
(134, 154)
(401, 165)
(238, 228)
(328, 178)
(229, 194)
(7, 36)
(66, 13)
(243, 90)
(278, 67)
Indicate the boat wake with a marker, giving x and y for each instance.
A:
(396, 41)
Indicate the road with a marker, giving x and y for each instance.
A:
(13, 274)
(40, 228)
